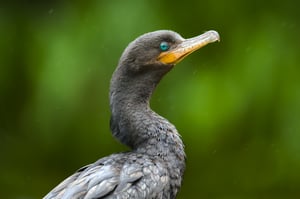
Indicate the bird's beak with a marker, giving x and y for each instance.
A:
(187, 46)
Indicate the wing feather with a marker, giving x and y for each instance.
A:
(115, 177)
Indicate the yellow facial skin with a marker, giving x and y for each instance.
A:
(188, 46)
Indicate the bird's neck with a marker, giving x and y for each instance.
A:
(146, 132)
(134, 124)
(138, 126)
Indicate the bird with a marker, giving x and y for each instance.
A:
(153, 168)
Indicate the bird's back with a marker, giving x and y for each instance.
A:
(124, 175)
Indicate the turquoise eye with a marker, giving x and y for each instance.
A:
(164, 46)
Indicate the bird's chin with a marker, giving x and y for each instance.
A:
(167, 67)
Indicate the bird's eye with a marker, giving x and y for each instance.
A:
(164, 46)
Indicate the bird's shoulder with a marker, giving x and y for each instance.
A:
(123, 175)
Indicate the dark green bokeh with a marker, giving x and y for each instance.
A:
(236, 103)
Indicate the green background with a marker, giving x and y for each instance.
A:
(236, 103)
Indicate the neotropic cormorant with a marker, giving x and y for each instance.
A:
(155, 166)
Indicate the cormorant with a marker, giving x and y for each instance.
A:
(153, 169)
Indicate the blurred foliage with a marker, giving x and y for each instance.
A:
(236, 103)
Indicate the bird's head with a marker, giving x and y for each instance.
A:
(162, 49)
